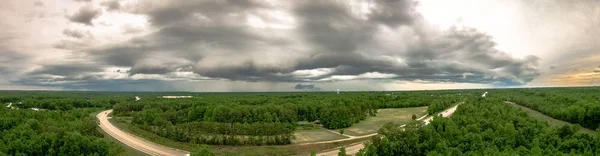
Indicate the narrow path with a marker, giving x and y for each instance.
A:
(353, 149)
(133, 141)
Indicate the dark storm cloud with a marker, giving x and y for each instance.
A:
(62, 75)
(331, 26)
(11, 61)
(67, 69)
(85, 15)
(121, 55)
(156, 66)
(98, 84)
(211, 38)
(394, 12)
(150, 70)
(306, 87)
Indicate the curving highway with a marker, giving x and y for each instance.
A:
(135, 142)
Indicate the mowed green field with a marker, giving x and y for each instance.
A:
(315, 135)
(372, 124)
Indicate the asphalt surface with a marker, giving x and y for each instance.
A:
(134, 141)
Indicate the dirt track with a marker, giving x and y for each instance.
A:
(133, 141)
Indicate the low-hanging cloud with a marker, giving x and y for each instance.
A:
(325, 41)
(306, 87)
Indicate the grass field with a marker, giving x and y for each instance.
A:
(551, 121)
(315, 135)
(372, 124)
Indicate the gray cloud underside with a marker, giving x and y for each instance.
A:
(211, 38)
(68, 69)
(85, 15)
(8, 61)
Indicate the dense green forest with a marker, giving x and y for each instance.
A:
(575, 105)
(64, 123)
(482, 126)
(73, 132)
(266, 118)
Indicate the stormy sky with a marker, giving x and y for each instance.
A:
(300, 45)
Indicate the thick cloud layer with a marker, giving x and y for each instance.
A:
(295, 41)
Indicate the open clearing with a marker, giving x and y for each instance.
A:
(372, 124)
(315, 135)
(548, 119)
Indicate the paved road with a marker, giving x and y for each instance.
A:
(353, 149)
(446, 113)
(133, 141)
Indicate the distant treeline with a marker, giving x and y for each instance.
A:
(62, 100)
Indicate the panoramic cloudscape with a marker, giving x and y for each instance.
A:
(269, 45)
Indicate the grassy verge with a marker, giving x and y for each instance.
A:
(372, 124)
(233, 150)
(551, 121)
